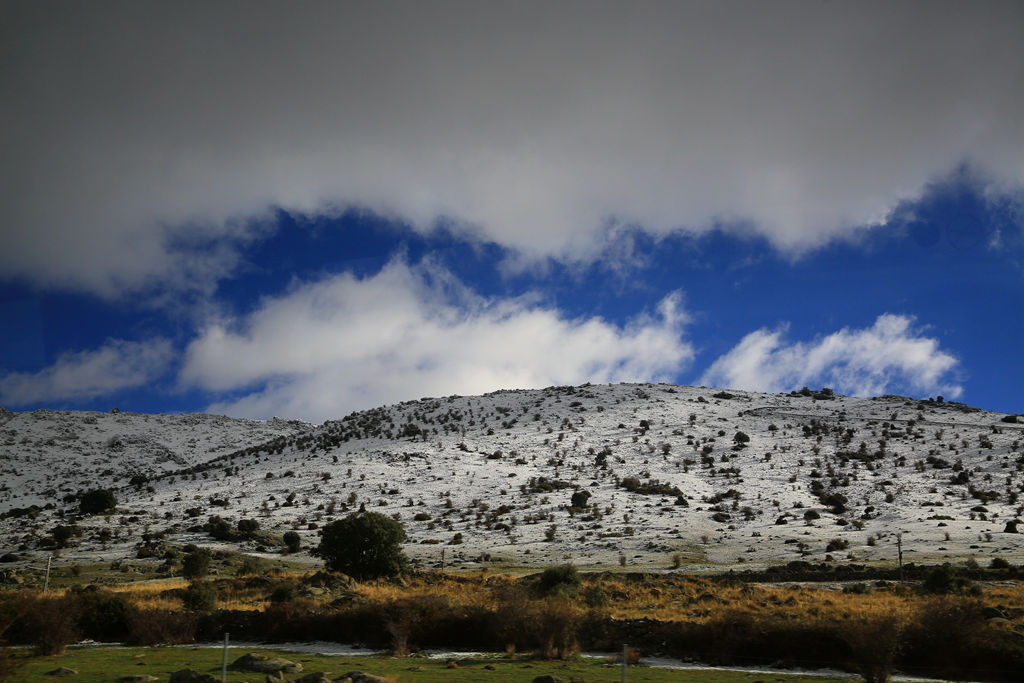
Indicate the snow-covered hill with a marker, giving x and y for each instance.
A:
(657, 471)
(47, 454)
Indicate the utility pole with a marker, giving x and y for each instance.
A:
(46, 583)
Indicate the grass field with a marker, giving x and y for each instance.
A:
(105, 666)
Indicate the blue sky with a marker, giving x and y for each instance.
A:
(398, 201)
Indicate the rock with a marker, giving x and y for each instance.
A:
(62, 671)
(143, 678)
(315, 677)
(360, 677)
(262, 664)
(547, 679)
(190, 676)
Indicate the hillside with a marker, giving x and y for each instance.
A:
(715, 478)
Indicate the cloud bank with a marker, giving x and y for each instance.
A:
(115, 366)
(535, 125)
(329, 347)
(888, 356)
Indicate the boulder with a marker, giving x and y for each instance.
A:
(62, 671)
(360, 677)
(262, 664)
(547, 679)
(315, 677)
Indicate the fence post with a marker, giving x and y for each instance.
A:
(224, 661)
(625, 661)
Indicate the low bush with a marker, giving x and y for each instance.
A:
(561, 579)
(196, 564)
(200, 596)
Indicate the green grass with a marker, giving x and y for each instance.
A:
(106, 665)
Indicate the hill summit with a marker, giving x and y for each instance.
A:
(649, 475)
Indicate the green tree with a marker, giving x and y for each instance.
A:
(196, 563)
(364, 545)
(62, 533)
(97, 501)
(292, 541)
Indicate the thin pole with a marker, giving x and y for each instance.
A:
(899, 551)
(224, 661)
(625, 661)
(46, 583)
(442, 559)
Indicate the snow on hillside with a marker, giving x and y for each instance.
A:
(715, 478)
(47, 454)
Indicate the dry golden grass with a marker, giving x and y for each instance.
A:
(660, 597)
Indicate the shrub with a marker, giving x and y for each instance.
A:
(248, 527)
(249, 565)
(200, 596)
(105, 615)
(161, 627)
(292, 541)
(837, 544)
(561, 579)
(943, 580)
(50, 624)
(579, 499)
(284, 592)
(595, 596)
(364, 545)
(874, 644)
(97, 501)
(220, 529)
(62, 533)
(196, 564)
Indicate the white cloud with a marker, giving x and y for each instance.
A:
(329, 347)
(888, 356)
(535, 122)
(115, 366)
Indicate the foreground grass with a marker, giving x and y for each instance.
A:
(106, 665)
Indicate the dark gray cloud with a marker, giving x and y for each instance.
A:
(535, 123)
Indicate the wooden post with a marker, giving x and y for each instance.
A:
(46, 583)
(625, 661)
(899, 552)
(224, 661)
(442, 559)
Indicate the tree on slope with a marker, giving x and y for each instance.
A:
(97, 501)
(364, 545)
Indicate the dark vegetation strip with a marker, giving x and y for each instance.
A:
(947, 635)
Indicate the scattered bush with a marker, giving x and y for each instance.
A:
(285, 592)
(561, 579)
(200, 596)
(837, 544)
(292, 541)
(97, 501)
(196, 564)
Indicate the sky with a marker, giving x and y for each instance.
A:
(303, 209)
